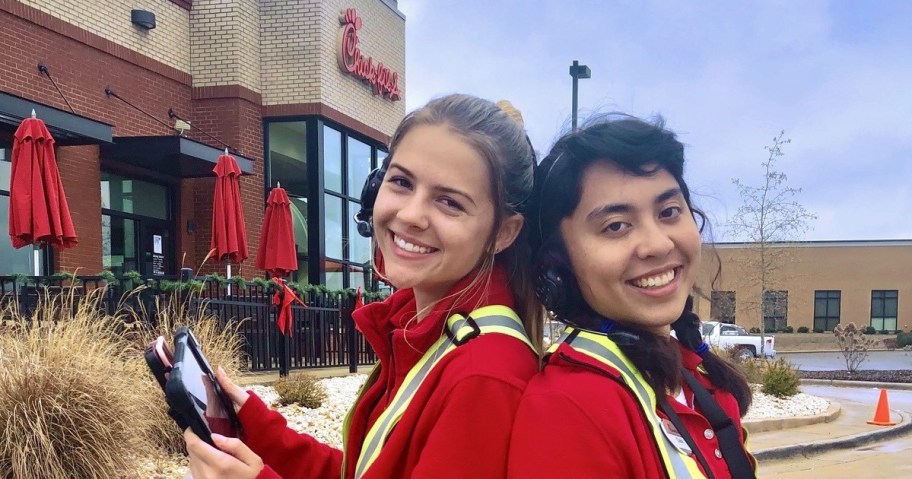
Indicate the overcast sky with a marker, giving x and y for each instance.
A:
(727, 77)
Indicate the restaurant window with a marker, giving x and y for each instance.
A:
(884, 304)
(15, 261)
(136, 227)
(722, 306)
(775, 310)
(826, 310)
(323, 169)
(347, 162)
(287, 166)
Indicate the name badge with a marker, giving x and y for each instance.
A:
(675, 437)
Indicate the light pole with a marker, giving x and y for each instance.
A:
(577, 71)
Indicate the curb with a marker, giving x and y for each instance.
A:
(777, 424)
(842, 383)
(806, 351)
(850, 442)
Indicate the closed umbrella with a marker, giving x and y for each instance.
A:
(277, 255)
(38, 212)
(229, 234)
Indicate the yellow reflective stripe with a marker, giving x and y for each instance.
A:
(346, 425)
(384, 425)
(490, 319)
(602, 349)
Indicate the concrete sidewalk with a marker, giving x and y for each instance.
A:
(844, 426)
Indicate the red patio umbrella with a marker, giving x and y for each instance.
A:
(229, 234)
(277, 254)
(38, 211)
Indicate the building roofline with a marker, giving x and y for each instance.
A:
(819, 244)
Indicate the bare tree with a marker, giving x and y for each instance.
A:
(769, 217)
(853, 344)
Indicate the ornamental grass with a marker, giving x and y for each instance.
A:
(69, 402)
(76, 397)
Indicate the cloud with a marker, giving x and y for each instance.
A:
(726, 76)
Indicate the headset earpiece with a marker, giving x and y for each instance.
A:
(555, 284)
(368, 197)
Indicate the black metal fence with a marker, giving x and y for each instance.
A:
(322, 334)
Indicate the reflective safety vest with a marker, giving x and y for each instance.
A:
(459, 330)
(677, 463)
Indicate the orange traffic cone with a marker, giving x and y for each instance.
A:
(882, 414)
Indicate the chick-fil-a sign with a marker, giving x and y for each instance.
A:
(384, 82)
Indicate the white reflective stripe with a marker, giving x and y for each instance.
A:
(490, 319)
(604, 350)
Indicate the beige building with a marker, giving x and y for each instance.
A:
(815, 284)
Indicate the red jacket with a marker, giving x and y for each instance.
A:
(459, 422)
(592, 426)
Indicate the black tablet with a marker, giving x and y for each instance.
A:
(195, 398)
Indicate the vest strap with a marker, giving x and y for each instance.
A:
(601, 348)
(459, 330)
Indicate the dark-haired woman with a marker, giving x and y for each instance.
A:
(618, 252)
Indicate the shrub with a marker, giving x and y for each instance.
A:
(903, 339)
(750, 368)
(870, 330)
(69, 404)
(754, 330)
(301, 388)
(803, 329)
(780, 379)
(788, 330)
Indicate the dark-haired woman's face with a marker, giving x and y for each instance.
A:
(633, 245)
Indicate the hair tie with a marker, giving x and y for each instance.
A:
(509, 109)
(702, 349)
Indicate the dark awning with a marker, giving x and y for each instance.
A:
(171, 155)
(67, 128)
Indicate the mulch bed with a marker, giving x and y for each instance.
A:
(899, 376)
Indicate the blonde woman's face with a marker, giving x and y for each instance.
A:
(434, 213)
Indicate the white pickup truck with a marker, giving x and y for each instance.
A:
(725, 335)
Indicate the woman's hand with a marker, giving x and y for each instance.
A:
(236, 393)
(232, 460)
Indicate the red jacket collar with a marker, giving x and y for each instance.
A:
(390, 328)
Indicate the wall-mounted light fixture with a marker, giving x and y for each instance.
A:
(143, 19)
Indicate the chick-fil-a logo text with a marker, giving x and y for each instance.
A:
(384, 82)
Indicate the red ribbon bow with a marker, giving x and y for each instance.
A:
(284, 299)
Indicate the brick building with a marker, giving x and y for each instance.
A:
(815, 284)
(303, 92)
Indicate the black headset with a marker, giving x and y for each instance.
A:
(364, 217)
(555, 284)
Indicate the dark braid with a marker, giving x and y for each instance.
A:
(722, 374)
